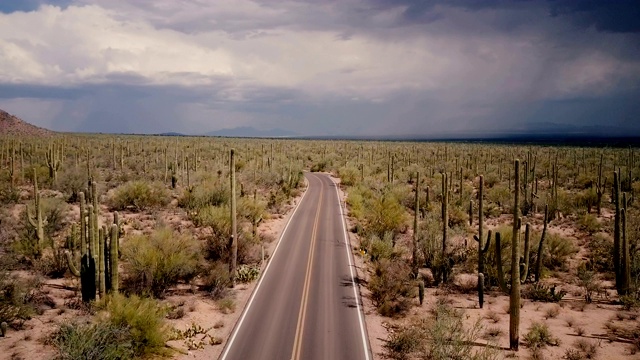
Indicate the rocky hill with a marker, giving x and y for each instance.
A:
(12, 125)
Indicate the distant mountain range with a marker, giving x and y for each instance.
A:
(247, 131)
(14, 126)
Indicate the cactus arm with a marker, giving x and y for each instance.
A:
(72, 268)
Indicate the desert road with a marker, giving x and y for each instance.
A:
(306, 304)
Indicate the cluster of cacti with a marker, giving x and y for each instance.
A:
(99, 248)
(621, 255)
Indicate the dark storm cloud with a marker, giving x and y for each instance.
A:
(378, 67)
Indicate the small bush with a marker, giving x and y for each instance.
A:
(540, 292)
(216, 281)
(539, 336)
(139, 195)
(557, 250)
(207, 193)
(583, 349)
(227, 305)
(589, 223)
(601, 257)
(16, 297)
(391, 287)
(144, 319)
(160, 260)
(385, 214)
(100, 341)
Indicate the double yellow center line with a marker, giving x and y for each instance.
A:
(297, 344)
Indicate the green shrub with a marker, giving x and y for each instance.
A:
(391, 287)
(160, 260)
(144, 320)
(207, 193)
(226, 305)
(100, 341)
(217, 246)
(539, 336)
(441, 337)
(589, 223)
(540, 292)
(139, 195)
(71, 181)
(557, 250)
(384, 214)
(16, 297)
(348, 175)
(216, 280)
(601, 253)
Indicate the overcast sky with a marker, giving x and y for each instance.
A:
(342, 67)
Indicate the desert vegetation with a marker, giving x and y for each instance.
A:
(469, 250)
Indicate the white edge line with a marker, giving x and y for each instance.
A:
(264, 274)
(347, 244)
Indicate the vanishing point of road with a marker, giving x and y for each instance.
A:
(306, 305)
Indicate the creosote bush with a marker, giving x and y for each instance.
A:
(100, 341)
(391, 287)
(139, 195)
(155, 262)
(441, 337)
(143, 319)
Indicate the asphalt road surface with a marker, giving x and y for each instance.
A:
(306, 304)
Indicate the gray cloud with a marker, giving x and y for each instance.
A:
(378, 67)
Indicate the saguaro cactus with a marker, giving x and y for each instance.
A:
(234, 235)
(514, 299)
(482, 249)
(87, 270)
(53, 161)
(36, 221)
(541, 244)
(414, 253)
(524, 271)
(445, 225)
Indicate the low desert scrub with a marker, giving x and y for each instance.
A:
(493, 316)
(100, 341)
(539, 336)
(160, 260)
(216, 280)
(227, 305)
(443, 336)
(492, 333)
(142, 319)
(543, 293)
(139, 195)
(391, 287)
(552, 312)
(16, 299)
(582, 349)
(207, 193)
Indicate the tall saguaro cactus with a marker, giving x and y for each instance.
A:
(514, 299)
(234, 233)
(445, 224)
(37, 222)
(482, 249)
(541, 244)
(414, 254)
(53, 161)
(616, 229)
